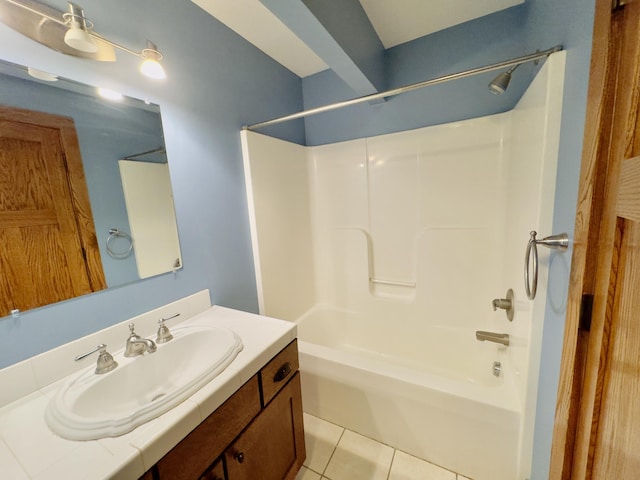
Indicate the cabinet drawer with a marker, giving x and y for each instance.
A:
(275, 374)
(198, 450)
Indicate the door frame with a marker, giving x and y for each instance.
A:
(582, 344)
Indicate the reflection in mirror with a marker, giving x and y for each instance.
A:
(121, 144)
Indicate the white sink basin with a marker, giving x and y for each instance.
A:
(141, 388)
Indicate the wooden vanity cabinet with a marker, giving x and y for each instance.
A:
(272, 446)
(215, 472)
(256, 434)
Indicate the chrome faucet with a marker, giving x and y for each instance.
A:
(136, 345)
(502, 338)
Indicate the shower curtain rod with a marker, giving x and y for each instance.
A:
(407, 88)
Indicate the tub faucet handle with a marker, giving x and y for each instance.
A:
(506, 304)
(503, 303)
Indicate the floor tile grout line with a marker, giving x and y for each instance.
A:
(393, 457)
(335, 447)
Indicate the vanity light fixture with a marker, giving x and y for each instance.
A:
(72, 33)
(151, 66)
(40, 75)
(77, 35)
(110, 94)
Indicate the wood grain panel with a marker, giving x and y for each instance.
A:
(604, 443)
(629, 190)
(32, 218)
(617, 445)
(44, 212)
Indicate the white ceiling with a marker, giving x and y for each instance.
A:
(395, 22)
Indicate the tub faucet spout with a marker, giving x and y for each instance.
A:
(502, 338)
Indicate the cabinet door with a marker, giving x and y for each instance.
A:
(272, 446)
(192, 456)
(216, 472)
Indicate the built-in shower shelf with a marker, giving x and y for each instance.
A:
(376, 281)
(393, 289)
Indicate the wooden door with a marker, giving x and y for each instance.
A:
(48, 247)
(597, 431)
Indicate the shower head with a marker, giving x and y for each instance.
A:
(499, 84)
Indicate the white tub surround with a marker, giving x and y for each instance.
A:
(28, 448)
(444, 406)
(393, 248)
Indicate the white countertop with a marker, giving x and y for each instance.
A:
(28, 448)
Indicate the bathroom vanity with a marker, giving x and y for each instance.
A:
(246, 423)
(257, 433)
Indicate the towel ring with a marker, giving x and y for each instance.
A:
(556, 242)
(117, 233)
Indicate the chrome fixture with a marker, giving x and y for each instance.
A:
(136, 345)
(500, 84)
(114, 234)
(502, 338)
(72, 33)
(555, 242)
(77, 35)
(497, 369)
(151, 66)
(164, 335)
(506, 304)
(532, 57)
(105, 362)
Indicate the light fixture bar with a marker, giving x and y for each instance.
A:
(407, 88)
(114, 44)
(59, 21)
(53, 15)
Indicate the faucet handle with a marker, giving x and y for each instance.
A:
(132, 333)
(506, 304)
(105, 363)
(164, 335)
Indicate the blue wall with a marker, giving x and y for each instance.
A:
(216, 83)
(487, 40)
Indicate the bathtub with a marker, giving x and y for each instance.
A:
(429, 392)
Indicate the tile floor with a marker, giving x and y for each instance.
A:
(334, 453)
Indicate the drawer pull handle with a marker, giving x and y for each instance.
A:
(239, 456)
(282, 372)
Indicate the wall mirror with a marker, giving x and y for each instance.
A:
(124, 166)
